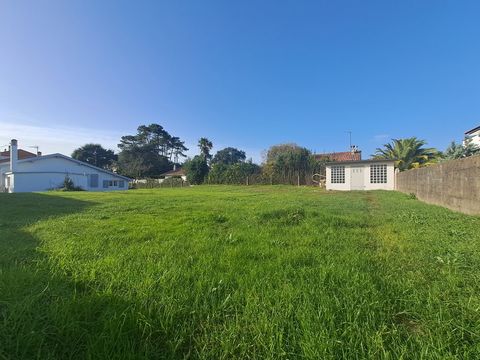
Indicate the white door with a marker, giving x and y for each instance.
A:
(357, 178)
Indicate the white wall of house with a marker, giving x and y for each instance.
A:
(49, 172)
(361, 175)
(475, 136)
(183, 177)
(3, 169)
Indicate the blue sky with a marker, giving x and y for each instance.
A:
(247, 74)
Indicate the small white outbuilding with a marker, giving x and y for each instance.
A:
(361, 175)
(41, 173)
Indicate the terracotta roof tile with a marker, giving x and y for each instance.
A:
(340, 156)
(22, 154)
(178, 172)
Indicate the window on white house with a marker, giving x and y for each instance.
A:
(378, 174)
(111, 183)
(338, 175)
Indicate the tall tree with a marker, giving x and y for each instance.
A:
(96, 155)
(177, 150)
(229, 156)
(150, 152)
(409, 153)
(205, 146)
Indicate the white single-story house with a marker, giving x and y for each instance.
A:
(175, 173)
(361, 175)
(47, 172)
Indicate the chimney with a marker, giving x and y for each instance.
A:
(13, 155)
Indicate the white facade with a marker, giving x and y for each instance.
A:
(474, 135)
(49, 172)
(183, 177)
(361, 175)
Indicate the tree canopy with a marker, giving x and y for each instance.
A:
(229, 156)
(409, 153)
(150, 152)
(205, 146)
(290, 160)
(96, 155)
(196, 169)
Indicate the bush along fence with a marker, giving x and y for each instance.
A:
(158, 183)
(299, 179)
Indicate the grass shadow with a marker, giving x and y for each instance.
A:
(48, 315)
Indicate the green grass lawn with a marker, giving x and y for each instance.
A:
(237, 272)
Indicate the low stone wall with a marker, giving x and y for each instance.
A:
(454, 184)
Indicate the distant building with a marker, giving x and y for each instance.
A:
(474, 134)
(361, 175)
(353, 155)
(23, 171)
(175, 173)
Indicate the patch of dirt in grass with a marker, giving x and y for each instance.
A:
(372, 201)
(405, 320)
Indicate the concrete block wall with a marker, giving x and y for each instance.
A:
(453, 184)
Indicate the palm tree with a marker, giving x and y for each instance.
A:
(205, 146)
(409, 153)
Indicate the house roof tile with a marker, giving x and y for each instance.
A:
(340, 156)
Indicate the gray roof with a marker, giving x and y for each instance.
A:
(361, 162)
(57, 155)
(472, 130)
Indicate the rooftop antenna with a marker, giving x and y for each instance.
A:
(36, 147)
(350, 136)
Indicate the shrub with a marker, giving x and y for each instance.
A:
(68, 185)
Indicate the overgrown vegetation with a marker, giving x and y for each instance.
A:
(236, 173)
(226, 272)
(196, 169)
(289, 161)
(95, 154)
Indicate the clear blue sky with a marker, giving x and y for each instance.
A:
(247, 74)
